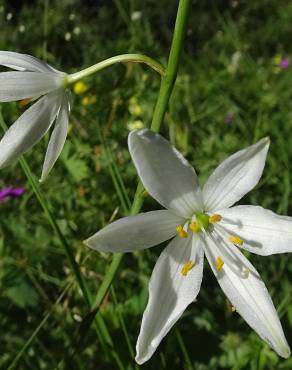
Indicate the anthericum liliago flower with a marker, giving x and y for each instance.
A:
(200, 222)
(33, 79)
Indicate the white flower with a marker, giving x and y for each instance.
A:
(33, 79)
(200, 222)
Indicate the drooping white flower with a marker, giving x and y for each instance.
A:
(200, 223)
(33, 79)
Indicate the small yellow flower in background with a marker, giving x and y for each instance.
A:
(80, 87)
(134, 107)
(277, 59)
(135, 125)
(276, 62)
(88, 100)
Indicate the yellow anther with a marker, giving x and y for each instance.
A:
(233, 309)
(80, 87)
(235, 240)
(24, 102)
(194, 227)
(215, 218)
(187, 268)
(219, 263)
(181, 232)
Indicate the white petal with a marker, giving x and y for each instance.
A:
(170, 292)
(165, 173)
(23, 85)
(29, 128)
(247, 292)
(23, 62)
(235, 177)
(135, 232)
(57, 139)
(263, 232)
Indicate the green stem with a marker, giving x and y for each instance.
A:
(166, 87)
(168, 80)
(123, 58)
(55, 227)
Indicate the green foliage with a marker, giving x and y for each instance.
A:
(229, 93)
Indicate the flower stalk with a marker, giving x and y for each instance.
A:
(123, 58)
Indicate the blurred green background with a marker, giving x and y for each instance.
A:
(232, 89)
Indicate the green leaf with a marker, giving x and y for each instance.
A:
(23, 295)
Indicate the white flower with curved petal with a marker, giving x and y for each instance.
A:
(204, 225)
(33, 79)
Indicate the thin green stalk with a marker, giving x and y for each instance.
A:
(123, 58)
(115, 174)
(123, 326)
(45, 29)
(38, 328)
(55, 227)
(168, 80)
(184, 350)
(166, 87)
(100, 326)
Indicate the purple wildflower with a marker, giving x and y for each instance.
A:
(228, 119)
(10, 192)
(284, 63)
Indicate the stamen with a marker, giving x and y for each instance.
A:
(187, 267)
(235, 240)
(194, 227)
(219, 263)
(215, 218)
(233, 309)
(24, 102)
(181, 232)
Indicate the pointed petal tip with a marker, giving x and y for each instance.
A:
(285, 351)
(266, 140)
(139, 361)
(92, 244)
(144, 357)
(137, 132)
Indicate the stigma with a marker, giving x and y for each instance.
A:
(194, 227)
(187, 267)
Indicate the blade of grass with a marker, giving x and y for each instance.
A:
(184, 350)
(123, 326)
(100, 326)
(39, 327)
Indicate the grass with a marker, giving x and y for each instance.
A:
(227, 70)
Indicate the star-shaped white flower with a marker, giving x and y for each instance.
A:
(200, 222)
(33, 79)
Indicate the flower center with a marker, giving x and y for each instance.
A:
(199, 222)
